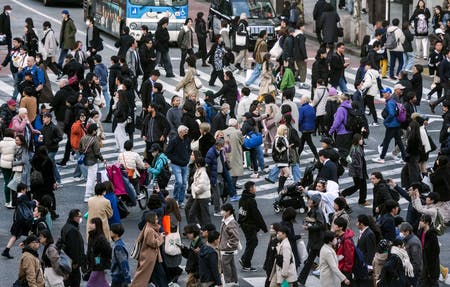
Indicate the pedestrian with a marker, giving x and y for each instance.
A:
(99, 252)
(94, 43)
(251, 221)
(120, 268)
(288, 79)
(419, 21)
(21, 165)
(319, 8)
(133, 61)
(284, 270)
(186, 42)
(48, 47)
(192, 232)
(396, 50)
(11, 58)
(53, 275)
(132, 162)
(188, 119)
(370, 90)
(280, 154)
(259, 52)
(408, 52)
(234, 135)
(394, 270)
(315, 224)
(387, 219)
(77, 131)
(340, 208)
(367, 240)
(266, 84)
(174, 115)
(417, 83)
(330, 275)
(413, 247)
(8, 150)
(430, 249)
(101, 74)
(345, 247)
(202, 33)
(162, 38)
(270, 126)
(209, 268)
(328, 24)
(124, 42)
(241, 43)
(51, 136)
(66, 36)
(436, 57)
(319, 104)
(215, 56)
(229, 243)
(5, 26)
(307, 125)
(337, 69)
(271, 251)
(30, 271)
(121, 115)
(188, 82)
(228, 92)
(357, 169)
(113, 199)
(201, 193)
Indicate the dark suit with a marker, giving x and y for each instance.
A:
(367, 243)
(328, 171)
(146, 91)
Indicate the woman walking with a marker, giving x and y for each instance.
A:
(8, 149)
(228, 92)
(98, 254)
(319, 104)
(201, 193)
(330, 275)
(188, 82)
(284, 269)
(419, 21)
(411, 170)
(266, 85)
(41, 163)
(280, 154)
(357, 169)
(270, 126)
(150, 251)
(202, 33)
(53, 276)
(121, 114)
(21, 165)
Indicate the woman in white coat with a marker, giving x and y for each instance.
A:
(284, 267)
(330, 275)
(8, 150)
(48, 47)
(320, 103)
(201, 192)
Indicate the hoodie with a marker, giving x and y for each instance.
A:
(340, 118)
(346, 248)
(208, 265)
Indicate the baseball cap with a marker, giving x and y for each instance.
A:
(65, 11)
(439, 31)
(399, 86)
(155, 147)
(386, 90)
(11, 102)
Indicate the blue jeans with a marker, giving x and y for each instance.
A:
(255, 74)
(62, 56)
(343, 85)
(166, 63)
(80, 169)
(16, 83)
(296, 173)
(260, 156)
(106, 95)
(51, 155)
(408, 61)
(395, 55)
(230, 185)
(181, 178)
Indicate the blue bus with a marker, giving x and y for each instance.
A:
(110, 15)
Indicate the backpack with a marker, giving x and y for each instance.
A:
(359, 270)
(391, 40)
(24, 215)
(298, 43)
(439, 224)
(164, 176)
(64, 262)
(355, 121)
(400, 112)
(421, 25)
(277, 156)
(294, 13)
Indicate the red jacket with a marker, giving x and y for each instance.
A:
(346, 247)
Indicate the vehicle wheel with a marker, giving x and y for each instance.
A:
(276, 208)
(142, 197)
(46, 2)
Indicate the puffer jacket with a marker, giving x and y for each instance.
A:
(7, 152)
(370, 82)
(340, 118)
(391, 119)
(201, 187)
(77, 131)
(306, 118)
(229, 235)
(158, 164)
(346, 248)
(131, 160)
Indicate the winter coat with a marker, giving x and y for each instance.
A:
(288, 270)
(120, 268)
(59, 102)
(179, 150)
(235, 155)
(337, 69)
(380, 195)
(418, 15)
(357, 168)
(158, 164)
(77, 131)
(93, 150)
(387, 226)
(399, 36)
(8, 150)
(30, 271)
(52, 135)
(288, 80)
(99, 206)
(370, 83)
(378, 263)
(112, 198)
(431, 250)
(331, 107)
(186, 38)
(201, 187)
(188, 83)
(98, 247)
(150, 253)
(328, 25)
(316, 228)
(30, 103)
(192, 256)
(123, 44)
(188, 119)
(211, 159)
(67, 35)
(346, 248)
(229, 235)
(320, 70)
(306, 118)
(208, 265)
(266, 85)
(320, 100)
(414, 248)
(340, 118)
(131, 160)
(48, 44)
(409, 37)
(328, 264)
(392, 273)
(391, 119)
(249, 214)
(228, 92)
(440, 179)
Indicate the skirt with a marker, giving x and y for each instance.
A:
(97, 279)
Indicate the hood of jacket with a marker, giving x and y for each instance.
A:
(346, 104)
(205, 250)
(348, 234)
(247, 194)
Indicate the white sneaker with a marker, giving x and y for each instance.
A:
(374, 124)
(378, 160)
(380, 149)
(447, 281)
(316, 272)
(254, 175)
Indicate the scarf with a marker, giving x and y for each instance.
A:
(400, 252)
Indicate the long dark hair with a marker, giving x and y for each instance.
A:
(172, 207)
(98, 228)
(414, 140)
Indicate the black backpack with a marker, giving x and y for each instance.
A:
(164, 176)
(355, 121)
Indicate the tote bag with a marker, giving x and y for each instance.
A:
(276, 50)
(171, 243)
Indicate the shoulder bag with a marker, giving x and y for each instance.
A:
(82, 156)
(320, 100)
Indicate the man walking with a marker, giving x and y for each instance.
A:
(5, 27)
(67, 36)
(134, 62)
(241, 43)
(51, 136)
(251, 221)
(186, 43)
(337, 68)
(431, 250)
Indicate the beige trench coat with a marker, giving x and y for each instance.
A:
(188, 83)
(235, 155)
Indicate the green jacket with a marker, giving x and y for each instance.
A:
(67, 35)
(288, 80)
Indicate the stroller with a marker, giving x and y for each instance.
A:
(291, 196)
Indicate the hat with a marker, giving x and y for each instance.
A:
(65, 11)
(46, 106)
(399, 86)
(182, 128)
(332, 91)
(11, 103)
(31, 238)
(209, 93)
(386, 90)
(248, 115)
(439, 31)
(316, 198)
(232, 122)
(47, 115)
(155, 147)
(327, 140)
(7, 7)
(209, 227)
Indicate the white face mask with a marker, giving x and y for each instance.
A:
(88, 23)
(222, 213)
(81, 220)
(401, 235)
(334, 242)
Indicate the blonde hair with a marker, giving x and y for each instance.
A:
(218, 132)
(22, 111)
(205, 127)
(281, 129)
(306, 98)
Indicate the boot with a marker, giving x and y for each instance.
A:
(281, 182)
(6, 254)
(238, 66)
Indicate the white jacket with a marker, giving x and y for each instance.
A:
(8, 151)
(399, 36)
(328, 197)
(48, 49)
(330, 275)
(201, 187)
(370, 82)
(320, 100)
(244, 106)
(131, 160)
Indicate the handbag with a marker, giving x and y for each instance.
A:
(82, 156)
(17, 166)
(136, 251)
(171, 244)
(195, 145)
(276, 50)
(339, 30)
(198, 83)
(252, 140)
(302, 251)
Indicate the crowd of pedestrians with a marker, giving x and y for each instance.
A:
(204, 141)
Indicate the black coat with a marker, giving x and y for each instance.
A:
(249, 214)
(59, 102)
(328, 171)
(440, 179)
(380, 195)
(46, 168)
(393, 273)
(114, 72)
(5, 25)
(124, 44)
(387, 226)
(219, 122)
(74, 68)
(319, 8)
(192, 256)
(72, 242)
(328, 25)
(20, 228)
(188, 119)
(337, 69)
(319, 71)
(367, 243)
(431, 250)
(96, 42)
(99, 247)
(205, 143)
(228, 92)
(162, 39)
(161, 122)
(52, 136)
(316, 230)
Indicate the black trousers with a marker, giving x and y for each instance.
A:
(184, 53)
(214, 75)
(395, 133)
(251, 241)
(202, 50)
(358, 184)
(343, 144)
(67, 150)
(369, 102)
(306, 137)
(74, 278)
(199, 212)
(313, 253)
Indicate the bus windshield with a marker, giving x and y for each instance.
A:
(254, 8)
(169, 3)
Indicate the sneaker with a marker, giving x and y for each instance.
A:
(235, 198)
(181, 205)
(378, 160)
(61, 163)
(10, 206)
(316, 272)
(7, 203)
(399, 161)
(269, 180)
(374, 124)
(217, 214)
(364, 204)
(254, 175)
(380, 149)
(59, 185)
(394, 156)
(77, 178)
(140, 196)
(249, 269)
